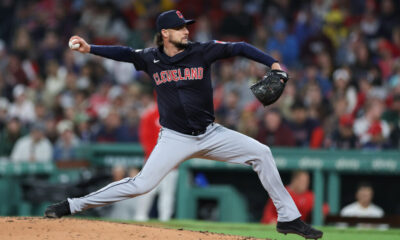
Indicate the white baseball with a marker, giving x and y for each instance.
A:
(73, 45)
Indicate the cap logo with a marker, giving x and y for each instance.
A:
(179, 14)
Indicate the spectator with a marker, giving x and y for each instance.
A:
(84, 133)
(363, 207)
(225, 75)
(99, 102)
(394, 81)
(41, 112)
(283, 42)
(306, 25)
(83, 81)
(117, 26)
(307, 131)
(392, 117)
(302, 197)
(386, 60)
(332, 122)
(320, 8)
(50, 49)
(229, 112)
(237, 24)
(97, 19)
(274, 131)
(334, 27)
(314, 45)
(342, 89)
(364, 91)
(133, 123)
(15, 70)
(362, 60)
(325, 64)
(55, 80)
(287, 99)
(9, 136)
(124, 73)
(34, 147)
(203, 31)
(7, 10)
(370, 24)
(113, 129)
(343, 136)
(313, 76)
(370, 129)
(396, 42)
(36, 91)
(22, 108)
(67, 94)
(117, 100)
(345, 53)
(4, 93)
(239, 83)
(140, 34)
(388, 18)
(70, 63)
(3, 112)
(51, 130)
(318, 106)
(65, 149)
(248, 124)
(81, 105)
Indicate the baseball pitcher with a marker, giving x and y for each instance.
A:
(181, 72)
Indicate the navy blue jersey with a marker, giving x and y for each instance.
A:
(182, 82)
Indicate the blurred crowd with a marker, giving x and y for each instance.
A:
(342, 57)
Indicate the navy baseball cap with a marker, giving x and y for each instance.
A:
(171, 19)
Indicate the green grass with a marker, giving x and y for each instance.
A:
(268, 231)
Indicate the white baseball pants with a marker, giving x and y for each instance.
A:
(217, 143)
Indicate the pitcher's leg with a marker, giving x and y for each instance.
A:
(168, 153)
(226, 145)
(269, 176)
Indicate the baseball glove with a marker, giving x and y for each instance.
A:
(270, 87)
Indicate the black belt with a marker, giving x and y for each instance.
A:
(197, 132)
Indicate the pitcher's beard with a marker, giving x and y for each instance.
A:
(179, 45)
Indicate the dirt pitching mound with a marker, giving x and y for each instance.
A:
(35, 228)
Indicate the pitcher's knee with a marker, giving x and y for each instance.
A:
(264, 156)
(263, 151)
(141, 187)
(267, 150)
(144, 189)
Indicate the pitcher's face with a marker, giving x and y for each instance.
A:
(179, 36)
